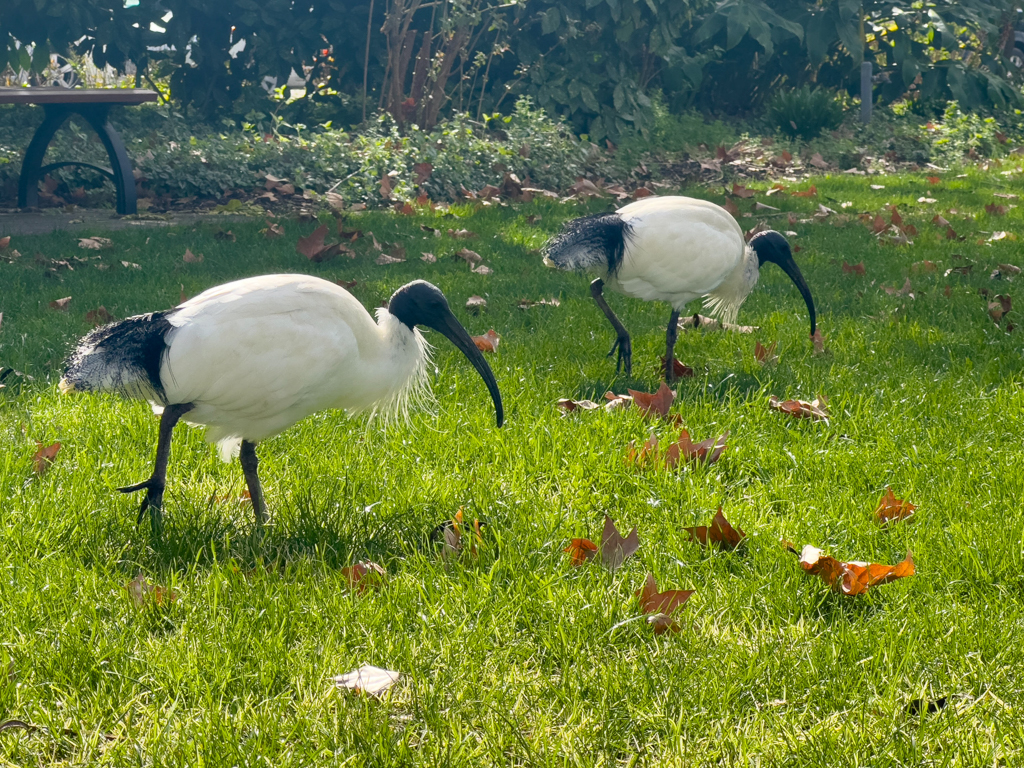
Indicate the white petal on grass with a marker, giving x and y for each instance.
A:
(370, 680)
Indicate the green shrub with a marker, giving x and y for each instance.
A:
(804, 112)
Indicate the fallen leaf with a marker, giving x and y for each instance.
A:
(738, 190)
(273, 230)
(335, 201)
(892, 509)
(818, 161)
(528, 303)
(429, 258)
(759, 206)
(656, 403)
(719, 533)
(854, 577)
(44, 457)
(221, 234)
(854, 269)
(1000, 236)
(815, 410)
(313, 248)
(61, 304)
(580, 550)
(927, 200)
(348, 285)
(731, 206)
(407, 209)
(385, 258)
(614, 402)
(476, 303)
(94, 243)
(679, 369)
(488, 342)
(906, 290)
(130, 265)
(818, 341)
(995, 210)
(373, 681)
(812, 192)
(616, 548)
(877, 186)
(1009, 269)
(98, 316)
(934, 179)
(364, 576)
(461, 234)
(385, 186)
(707, 451)
(572, 405)
(470, 257)
(1000, 307)
(422, 171)
(661, 604)
(449, 534)
(482, 269)
(143, 592)
(4, 242)
(765, 355)
(191, 258)
(895, 218)
(995, 194)
(712, 324)
(924, 266)
(641, 192)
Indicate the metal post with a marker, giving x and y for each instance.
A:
(865, 92)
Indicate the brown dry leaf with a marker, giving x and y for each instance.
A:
(854, 577)
(98, 316)
(706, 451)
(765, 355)
(429, 258)
(996, 210)
(571, 405)
(761, 226)
(731, 207)
(61, 304)
(4, 242)
(94, 243)
(385, 186)
(924, 266)
(191, 258)
(586, 188)
(656, 403)
(818, 161)
(44, 457)
(679, 370)
(373, 681)
(488, 342)
(449, 533)
(312, 245)
(818, 341)
(476, 303)
(891, 509)
(998, 308)
(642, 192)
(348, 285)
(482, 269)
(580, 550)
(385, 258)
(816, 410)
(143, 593)
(854, 269)
(461, 234)
(906, 290)
(363, 576)
(470, 257)
(952, 235)
(335, 201)
(878, 224)
(934, 179)
(1009, 269)
(940, 220)
(616, 548)
(528, 303)
(407, 209)
(812, 192)
(273, 230)
(614, 402)
(422, 171)
(719, 533)
(661, 604)
(738, 190)
(221, 234)
(713, 324)
(895, 217)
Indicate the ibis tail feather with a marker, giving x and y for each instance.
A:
(596, 241)
(122, 357)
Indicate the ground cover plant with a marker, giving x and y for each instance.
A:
(509, 652)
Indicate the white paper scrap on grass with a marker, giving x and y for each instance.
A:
(367, 679)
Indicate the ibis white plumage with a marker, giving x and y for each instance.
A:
(250, 358)
(672, 249)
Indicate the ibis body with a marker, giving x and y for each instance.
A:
(250, 358)
(672, 249)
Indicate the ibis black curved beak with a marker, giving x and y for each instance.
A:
(773, 247)
(420, 303)
(450, 326)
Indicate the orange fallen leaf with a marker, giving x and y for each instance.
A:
(661, 604)
(891, 509)
(616, 548)
(580, 550)
(488, 342)
(738, 190)
(940, 220)
(998, 308)
(98, 316)
(647, 450)
(765, 355)
(996, 210)
(800, 409)
(706, 451)
(854, 577)
(854, 269)
(191, 258)
(934, 179)
(363, 576)
(407, 209)
(679, 370)
(655, 404)
(924, 266)
(144, 592)
(719, 533)
(4, 242)
(450, 535)
(812, 192)
(44, 456)
(641, 192)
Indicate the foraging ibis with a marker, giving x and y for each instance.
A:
(672, 249)
(250, 358)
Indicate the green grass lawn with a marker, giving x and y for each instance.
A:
(515, 657)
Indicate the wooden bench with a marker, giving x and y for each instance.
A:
(94, 105)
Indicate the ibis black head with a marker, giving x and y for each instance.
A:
(420, 303)
(773, 247)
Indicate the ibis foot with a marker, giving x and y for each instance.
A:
(625, 348)
(670, 348)
(622, 341)
(153, 501)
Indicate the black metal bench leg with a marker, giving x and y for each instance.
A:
(120, 163)
(28, 183)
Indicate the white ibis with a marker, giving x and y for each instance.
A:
(672, 249)
(250, 358)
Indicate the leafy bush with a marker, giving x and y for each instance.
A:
(804, 112)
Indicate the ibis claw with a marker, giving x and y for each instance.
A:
(153, 502)
(624, 345)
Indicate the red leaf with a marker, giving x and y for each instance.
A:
(423, 171)
(719, 533)
(580, 550)
(892, 509)
(707, 451)
(854, 269)
(812, 192)
(739, 190)
(854, 577)
(44, 456)
(679, 370)
(731, 207)
(488, 342)
(934, 179)
(800, 409)
(661, 604)
(654, 404)
(364, 576)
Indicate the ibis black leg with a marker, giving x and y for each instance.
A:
(670, 347)
(622, 341)
(154, 485)
(250, 468)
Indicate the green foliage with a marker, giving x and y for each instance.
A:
(804, 112)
